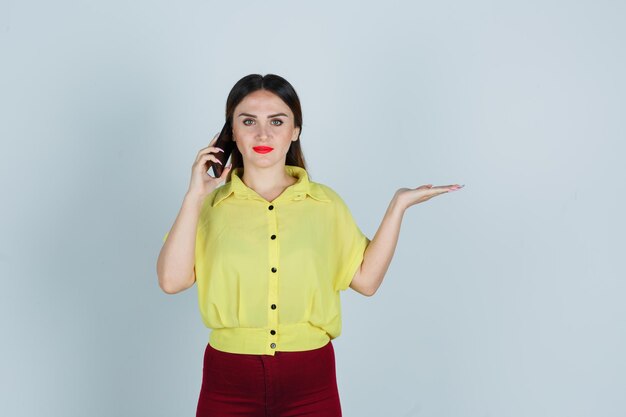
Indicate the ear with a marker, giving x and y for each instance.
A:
(296, 132)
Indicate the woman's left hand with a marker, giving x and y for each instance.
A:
(407, 197)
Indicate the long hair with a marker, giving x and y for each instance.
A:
(283, 89)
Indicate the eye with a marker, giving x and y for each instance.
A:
(280, 122)
(246, 120)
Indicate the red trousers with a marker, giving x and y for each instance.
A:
(287, 384)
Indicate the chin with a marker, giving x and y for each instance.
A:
(265, 162)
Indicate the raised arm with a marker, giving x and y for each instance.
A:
(379, 252)
(176, 261)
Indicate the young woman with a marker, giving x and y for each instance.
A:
(270, 250)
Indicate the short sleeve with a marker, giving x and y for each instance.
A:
(349, 244)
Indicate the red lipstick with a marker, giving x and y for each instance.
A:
(262, 149)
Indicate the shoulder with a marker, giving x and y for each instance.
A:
(207, 209)
(337, 202)
(207, 203)
(217, 195)
(325, 191)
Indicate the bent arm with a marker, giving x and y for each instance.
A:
(175, 265)
(379, 252)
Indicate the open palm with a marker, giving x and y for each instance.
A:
(410, 196)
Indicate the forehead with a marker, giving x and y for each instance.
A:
(262, 101)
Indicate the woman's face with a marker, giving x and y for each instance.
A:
(262, 121)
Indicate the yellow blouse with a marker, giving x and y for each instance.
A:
(269, 273)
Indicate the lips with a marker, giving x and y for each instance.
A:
(262, 149)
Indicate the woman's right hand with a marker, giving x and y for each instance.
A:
(203, 184)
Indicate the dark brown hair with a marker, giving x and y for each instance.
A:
(283, 89)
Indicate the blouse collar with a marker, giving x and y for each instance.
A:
(297, 191)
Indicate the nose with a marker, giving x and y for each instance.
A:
(263, 131)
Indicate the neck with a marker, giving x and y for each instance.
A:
(267, 179)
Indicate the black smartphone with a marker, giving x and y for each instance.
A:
(225, 142)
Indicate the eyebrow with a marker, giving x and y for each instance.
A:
(271, 115)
